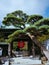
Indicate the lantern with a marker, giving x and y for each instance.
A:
(21, 44)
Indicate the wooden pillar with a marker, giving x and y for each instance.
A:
(33, 50)
(11, 48)
(29, 47)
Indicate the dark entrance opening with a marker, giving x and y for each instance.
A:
(4, 48)
(25, 39)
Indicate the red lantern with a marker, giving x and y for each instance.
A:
(21, 44)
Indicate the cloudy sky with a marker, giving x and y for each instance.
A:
(28, 6)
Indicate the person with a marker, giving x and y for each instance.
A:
(0, 51)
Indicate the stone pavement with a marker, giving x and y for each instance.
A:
(23, 61)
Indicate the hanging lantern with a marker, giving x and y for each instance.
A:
(21, 44)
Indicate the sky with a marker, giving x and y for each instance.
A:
(30, 7)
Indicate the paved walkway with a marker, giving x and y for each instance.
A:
(23, 61)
